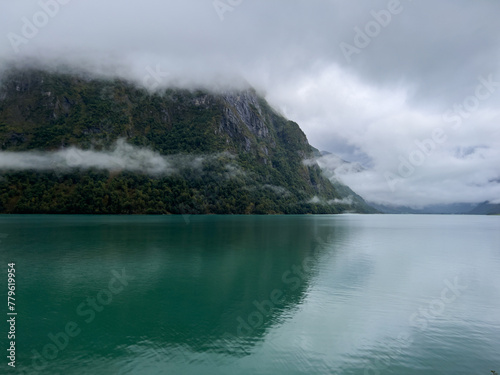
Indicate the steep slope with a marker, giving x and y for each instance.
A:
(249, 159)
(332, 166)
(486, 208)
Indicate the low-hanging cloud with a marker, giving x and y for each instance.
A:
(317, 200)
(121, 157)
(446, 176)
(412, 70)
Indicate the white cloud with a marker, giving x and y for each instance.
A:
(316, 200)
(122, 156)
(370, 110)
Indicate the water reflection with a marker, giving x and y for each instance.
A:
(255, 295)
(217, 284)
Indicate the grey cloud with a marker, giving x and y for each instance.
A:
(428, 46)
(395, 91)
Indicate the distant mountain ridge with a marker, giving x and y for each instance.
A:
(249, 159)
(435, 209)
(486, 208)
(335, 167)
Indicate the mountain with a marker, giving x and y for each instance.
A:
(486, 208)
(334, 166)
(175, 151)
(435, 209)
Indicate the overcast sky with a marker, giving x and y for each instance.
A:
(411, 89)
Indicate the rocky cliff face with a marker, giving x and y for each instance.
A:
(50, 112)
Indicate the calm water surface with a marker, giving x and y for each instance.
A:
(348, 294)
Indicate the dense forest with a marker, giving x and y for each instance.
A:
(254, 164)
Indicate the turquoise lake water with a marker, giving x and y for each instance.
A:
(340, 294)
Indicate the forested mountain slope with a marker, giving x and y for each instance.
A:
(193, 152)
